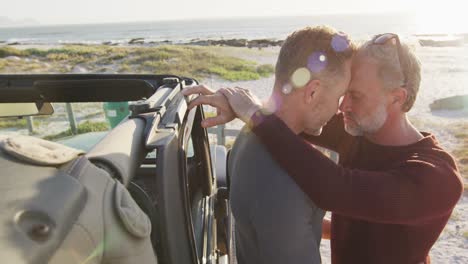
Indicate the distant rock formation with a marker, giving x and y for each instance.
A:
(137, 41)
(256, 43)
(263, 43)
(441, 43)
(457, 102)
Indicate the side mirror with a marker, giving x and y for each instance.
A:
(25, 109)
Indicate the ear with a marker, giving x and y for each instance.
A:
(398, 97)
(310, 90)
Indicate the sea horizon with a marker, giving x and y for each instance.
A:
(358, 26)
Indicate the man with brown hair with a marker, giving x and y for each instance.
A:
(394, 188)
(275, 221)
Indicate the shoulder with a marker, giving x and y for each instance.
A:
(248, 151)
(433, 165)
(428, 151)
(247, 142)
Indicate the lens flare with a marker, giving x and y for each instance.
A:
(317, 62)
(98, 251)
(287, 88)
(300, 77)
(272, 105)
(340, 42)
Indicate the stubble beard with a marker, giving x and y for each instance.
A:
(367, 125)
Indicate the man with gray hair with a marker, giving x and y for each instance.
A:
(394, 188)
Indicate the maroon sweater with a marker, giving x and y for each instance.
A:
(389, 203)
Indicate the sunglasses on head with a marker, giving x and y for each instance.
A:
(383, 39)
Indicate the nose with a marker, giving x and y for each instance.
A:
(345, 105)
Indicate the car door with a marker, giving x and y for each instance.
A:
(207, 203)
(186, 188)
(200, 187)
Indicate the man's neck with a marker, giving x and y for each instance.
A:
(288, 115)
(396, 131)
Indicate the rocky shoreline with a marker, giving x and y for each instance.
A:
(425, 40)
(252, 43)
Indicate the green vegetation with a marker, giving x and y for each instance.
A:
(209, 114)
(89, 126)
(455, 216)
(193, 61)
(460, 132)
(3, 63)
(10, 51)
(13, 122)
(84, 127)
(199, 62)
(65, 52)
(265, 70)
(125, 68)
(465, 234)
(229, 143)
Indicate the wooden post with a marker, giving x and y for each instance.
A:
(71, 118)
(30, 122)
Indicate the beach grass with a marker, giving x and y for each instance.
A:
(465, 234)
(10, 51)
(13, 122)
(193, 61)
(3, 63)
(460, 131)
(84, 127)
(455, 216)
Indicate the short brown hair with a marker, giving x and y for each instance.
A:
(310, 44)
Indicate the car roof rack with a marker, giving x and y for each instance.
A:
(164, 111)
(154, 98)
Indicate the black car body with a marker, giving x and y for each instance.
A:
(160, 153)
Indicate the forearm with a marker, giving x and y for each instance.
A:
(384, 196)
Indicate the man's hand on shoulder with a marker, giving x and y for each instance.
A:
(224, 112)
(243, 102)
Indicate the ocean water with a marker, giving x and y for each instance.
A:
(358, 26)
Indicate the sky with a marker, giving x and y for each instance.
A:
(101, 11)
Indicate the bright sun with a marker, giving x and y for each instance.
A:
(445, 17)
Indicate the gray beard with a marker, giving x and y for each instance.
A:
(370, 124)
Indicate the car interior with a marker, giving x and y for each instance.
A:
(162, 156)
